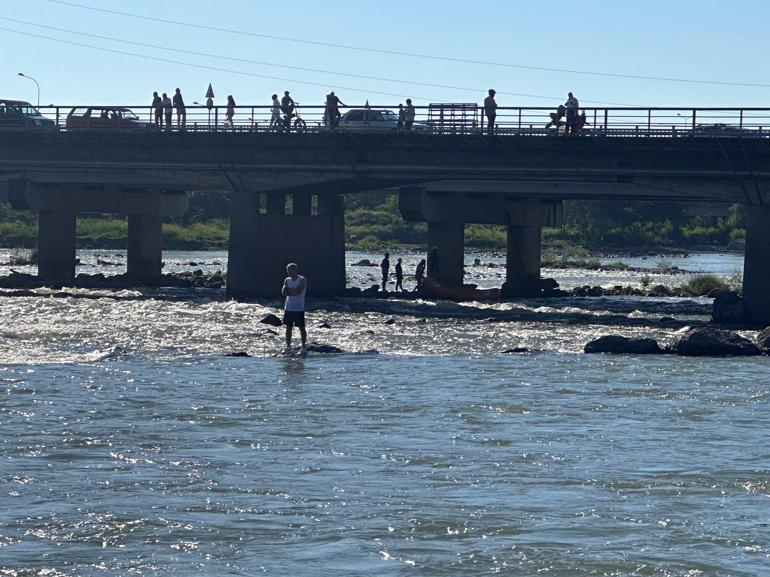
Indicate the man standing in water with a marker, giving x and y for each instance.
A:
(294, 288)
(385, 266)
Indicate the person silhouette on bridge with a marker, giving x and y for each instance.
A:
(181, 111)
(385, 266)
(275, 119)
(230, 111)
(572, 106)
(401, 116)
(333, 104)
(490, 109)
(287, 107)
(157, 107)
(410, 114)
(167, 110)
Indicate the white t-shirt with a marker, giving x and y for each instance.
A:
(295, 302)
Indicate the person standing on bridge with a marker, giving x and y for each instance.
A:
(385, 266)
(572, 106)
(167, 110)
(287, 107)
(230, 111)
(490, 109)
(157, 108)
(181, 111)
(410, 114)
(333, 104)
(275, 119)
(294, 289)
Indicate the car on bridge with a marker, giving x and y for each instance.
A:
(20, 114)
(368, 120)
(105, 118)
(724, 130)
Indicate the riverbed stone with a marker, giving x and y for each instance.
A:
(711, 342)
(617, 344)
(272, 320)
(324, 349)
(763, 340)
(728, 308)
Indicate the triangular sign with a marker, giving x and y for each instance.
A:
(210, 92)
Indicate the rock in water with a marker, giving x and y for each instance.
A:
(623, 345)
(390, 321)
(728, 308)
(324, 349)
(238, 354)
(516, 351)
(324, 326)
(763, 339)
(271, 320)
(710, 342)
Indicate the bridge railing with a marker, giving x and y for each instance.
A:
(437, 118)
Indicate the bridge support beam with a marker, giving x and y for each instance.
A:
(261, 245)
(56, 246)
(756, 265)
(522, 261)
(145, 248)
(448, 240)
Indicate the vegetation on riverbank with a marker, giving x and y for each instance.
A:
(373, 222)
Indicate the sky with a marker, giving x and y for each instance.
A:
(489, 45)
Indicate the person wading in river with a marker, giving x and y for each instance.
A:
(385, 266)
(294, 288)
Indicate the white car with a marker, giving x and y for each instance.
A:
(362, 119)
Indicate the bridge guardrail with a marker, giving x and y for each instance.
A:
(439, 118)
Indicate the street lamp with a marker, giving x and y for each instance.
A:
(36, 84)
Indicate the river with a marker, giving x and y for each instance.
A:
(131, 445)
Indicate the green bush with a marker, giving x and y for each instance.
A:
(701, 285)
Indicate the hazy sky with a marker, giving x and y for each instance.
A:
(701, 40)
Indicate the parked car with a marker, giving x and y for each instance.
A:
(363, 119)
(20, 114)
(723, 130)
(105, 118)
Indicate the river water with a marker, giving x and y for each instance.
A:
(130, 445)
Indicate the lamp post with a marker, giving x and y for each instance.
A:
(36, 84)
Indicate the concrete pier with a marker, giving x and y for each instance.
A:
(145, 248)
(756, 265)
(522, 261)
(56, 246)
(261, 245)
(449, 240)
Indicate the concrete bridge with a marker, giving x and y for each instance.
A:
(287, 191)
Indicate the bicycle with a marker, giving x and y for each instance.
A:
(299, 124)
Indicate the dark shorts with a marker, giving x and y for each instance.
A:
(294, 318)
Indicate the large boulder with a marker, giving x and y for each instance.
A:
(710, 342)
(763, 339)
(728, 308)
(623, 345)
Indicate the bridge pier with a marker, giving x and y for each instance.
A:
(522, 260)
(145, 248)
(756, 265)
(261, 245)
(448, 238)
(56, 246)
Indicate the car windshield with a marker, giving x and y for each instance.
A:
(28, 110)
(18, 108)
(390, 115)
(128, 114)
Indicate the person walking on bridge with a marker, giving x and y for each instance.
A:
(275, 119)
(167, 110)
(572, 106)
(490, 109)
(230, 111)
(181, 111)
(157, 108)
(333, 104)
(294, 289)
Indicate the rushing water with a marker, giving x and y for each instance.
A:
(130, 445)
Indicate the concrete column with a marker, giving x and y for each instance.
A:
(330, 204)
(449, 240)
(56, 246)
(145, 247)
(522, 262)
(276, 203)
(756, 265)
(301, 203)
(242, 273)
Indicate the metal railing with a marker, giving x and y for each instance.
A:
(465, 118)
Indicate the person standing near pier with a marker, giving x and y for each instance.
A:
(157, 108)
(385, 267)
(399, 276)
(433, 266)
(419, 273)
(181, 111)
(490, 109)
(294, 289)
